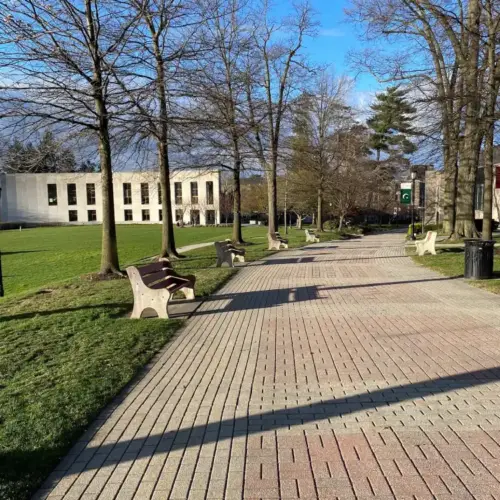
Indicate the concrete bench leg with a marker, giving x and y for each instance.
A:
(156, 300)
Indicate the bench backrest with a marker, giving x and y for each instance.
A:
(431, 236)
(157, 273)
(223, 246)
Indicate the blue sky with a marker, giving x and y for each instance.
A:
(335, 39)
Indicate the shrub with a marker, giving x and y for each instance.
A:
(331, 225)
(427, 227)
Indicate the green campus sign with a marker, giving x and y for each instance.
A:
(405, 196)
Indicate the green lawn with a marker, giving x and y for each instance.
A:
(450, 262)
(34, 257)
(66, 346)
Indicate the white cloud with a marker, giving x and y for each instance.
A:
(332, 32)
(361, 100)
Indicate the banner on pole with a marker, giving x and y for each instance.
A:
(405, 193)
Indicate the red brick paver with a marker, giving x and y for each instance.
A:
(339, 371)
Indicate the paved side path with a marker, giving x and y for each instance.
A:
(337, 371)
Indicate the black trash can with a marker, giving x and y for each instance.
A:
(479, 259)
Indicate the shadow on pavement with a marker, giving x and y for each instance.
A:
(285, 418)
(264, 299)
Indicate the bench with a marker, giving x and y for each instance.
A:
(428, 244)
(228, 253)
(276, 241)
(311, 237)
(155, 284)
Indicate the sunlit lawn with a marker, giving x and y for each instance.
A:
(451, 261)
(35, 257)
(66, 345)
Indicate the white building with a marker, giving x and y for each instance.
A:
(75, 198)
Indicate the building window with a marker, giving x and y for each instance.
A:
(128, 215)
(91, 194)
(71, 194)
(210, 193)
(52, 194)
(194, 193)
(478, 202)
(179, 215)
(160, 215)
(210, 218)
(159, 194)
(91, 214)
(195, 217)
(145, 215)
(178, 193)
(73, 215)
(144, 193)
(127, 193)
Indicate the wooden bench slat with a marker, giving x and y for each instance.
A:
(169, 283)
(151, 268)
(153, 277)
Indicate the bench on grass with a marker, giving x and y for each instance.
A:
(228, 253)
(155, 284)
(428, 244)
(311, 237)
(276, 241)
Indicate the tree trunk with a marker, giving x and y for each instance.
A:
(237, 235)
(467, 168)
(450, 188)
(341, 222)
(272, 200)
(319, 221)
(464, 223)
(109, 251)
(489, 120)
(167, 226)
(487, 233)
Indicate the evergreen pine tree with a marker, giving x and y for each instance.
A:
(391, 123)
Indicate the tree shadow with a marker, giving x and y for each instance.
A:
(309, 260)
(266, 299)
(285, 418)
(32, 314)
(450, 250)
(21, 252)
(315, 247)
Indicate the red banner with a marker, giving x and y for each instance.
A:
(497, 171)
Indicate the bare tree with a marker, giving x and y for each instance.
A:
(318, 114)
(450, 71)
(152, 79)
(219, 89)
(273, 72)
(490, 98)
(59, 56)
(353, 173)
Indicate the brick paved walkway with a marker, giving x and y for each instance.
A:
(337, 371)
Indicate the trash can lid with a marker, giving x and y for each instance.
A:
(479, 242)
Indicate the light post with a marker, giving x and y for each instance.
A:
(413, 176)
